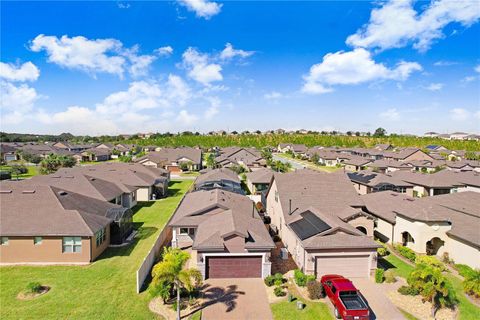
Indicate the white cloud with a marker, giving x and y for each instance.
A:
(352, 67)
(477, 114)
(202, 8)
(93, 56)
(395, 24)
(273, 95)
(469, 79)
(391, 114)
(445, 63)
(229, 53)
(16, 101)
(435, 86)
(164, 51)
(26, 72)
(199, 68)
(459, 114)
(214, 107)
(178, 91)
(477, 68)
(186, 118)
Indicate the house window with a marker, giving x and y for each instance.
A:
(187, 231)
(72, 244)
(100, 236)
(4, 241)
(37, 240)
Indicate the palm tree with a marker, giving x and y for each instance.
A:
(433, 286)
(172, 270)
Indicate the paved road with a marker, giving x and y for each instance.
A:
(295, 164)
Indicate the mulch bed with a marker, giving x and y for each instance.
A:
(32, 295)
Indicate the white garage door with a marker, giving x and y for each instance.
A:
(347, 266)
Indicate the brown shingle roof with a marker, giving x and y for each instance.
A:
(260, 176)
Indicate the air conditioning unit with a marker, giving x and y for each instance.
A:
(284, 253)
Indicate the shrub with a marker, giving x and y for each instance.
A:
(182, 306)
(408, 291)
(315, 290)
(382, 252)
(34, 287)
(389, 276)
(406, 252)
(278, 282)
(300, 277)
(430, 261)
(464, 270)
(379, 275)
(471, 284)
(278, 292)
(276, 238)
(269, 281)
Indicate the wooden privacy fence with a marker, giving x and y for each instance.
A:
(163, 239)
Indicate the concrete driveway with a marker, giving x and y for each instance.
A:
(380, 306)
(235, 299)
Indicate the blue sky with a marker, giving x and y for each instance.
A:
(125, 67)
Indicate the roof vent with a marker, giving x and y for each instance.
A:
(62, 193)
(5, 191)
(28, 191)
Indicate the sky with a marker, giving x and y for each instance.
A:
(119, 67)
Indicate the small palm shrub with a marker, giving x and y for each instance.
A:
(431, 261)
(34, 287)
(379, 275)
(382, 252)
(471, 284)
(464, 270)
(300, 277)
(315, 290)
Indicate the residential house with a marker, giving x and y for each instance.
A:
(356, 163)
(427, 166)
(383, 146)
(431, 134)
(46, 225)
(407, 154)
(295, 148)
(258, 181)
(386, 166)
(74, 148)
(435, 148)
(443, 225)
(94, 155)
(320, 220)
(249, 158)
(221, 178)
(225, 234)
(368, 182)
(8, 152)
(464, 165)
(459, 136)
(172, 159)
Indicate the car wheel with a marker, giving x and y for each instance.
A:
(337, 315)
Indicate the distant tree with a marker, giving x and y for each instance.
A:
(211, 162)
(357, 134)
(349, 133)
(53, 162)
(258, 132)
(315, 158)
(29, 157)
(125, 158)
(380, 132)
(234, 132)
(17, 169)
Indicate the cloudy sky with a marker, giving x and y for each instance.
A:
(125, 67)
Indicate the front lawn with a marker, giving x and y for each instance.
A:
(468, 311)
(32, 171)
(103, 290)
(288, 311)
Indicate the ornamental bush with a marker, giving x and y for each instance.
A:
(464, 270)
(406, 252)
(407, 291)
(315, 290)
(34, 287)
(431, 261)
(278, 292)
(389, 276)
(269, 280)
(379, 275)
(382, 252)
(300, 277)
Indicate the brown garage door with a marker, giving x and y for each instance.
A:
(347, 266)
(234, 267)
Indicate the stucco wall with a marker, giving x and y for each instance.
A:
(385, 228)
(463, 253)
(362, 221)
(22, 250)
(469, 188)
(96, 251)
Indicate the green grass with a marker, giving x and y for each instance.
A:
(288, 311)
(190, 174)
(104, 289)
(468, 311)
(32, 171)
(196, 316)
(309, 164)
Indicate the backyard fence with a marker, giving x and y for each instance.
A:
(163, 239)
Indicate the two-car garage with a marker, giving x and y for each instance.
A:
(350, 266)
(233, 267)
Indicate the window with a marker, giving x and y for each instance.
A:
(183, 230)
(187, 231)
(4, 241)
(100, 236)
(72, 244)
(37, 240)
